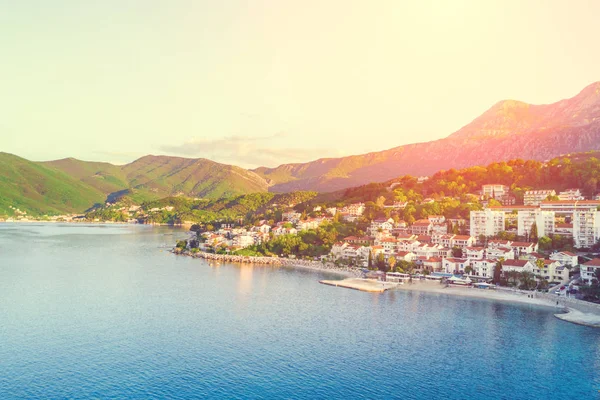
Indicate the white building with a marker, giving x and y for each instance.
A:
(243, 241)
(586, 228)
(487, 222)
(484, 268)
(588, 270)
(570, 194)
(565, 258)
(494, 191)
(535, 197)
(544, 221)
(570, 206)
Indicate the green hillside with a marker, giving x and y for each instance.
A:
(70, 185)
(37, 189)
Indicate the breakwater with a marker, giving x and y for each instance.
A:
(277, 261)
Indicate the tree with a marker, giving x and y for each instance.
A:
(392, 262)
(457, 252)
(545, 243)
(533, 234)
(370, 262)
(527, 280)
(380, 262)
(497, 272)
(468, 270)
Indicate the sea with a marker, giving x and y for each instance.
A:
(107, 312)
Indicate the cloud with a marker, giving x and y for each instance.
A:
(246, 151)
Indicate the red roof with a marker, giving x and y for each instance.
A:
(462, 237)
(515, 263)
(522, 244)
(593, 263)
(422, 222)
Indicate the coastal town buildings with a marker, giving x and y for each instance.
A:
(570, 194)
(535, 197)
(494, 191)
(487, 222)
(588, 270)
(543, 220)
(586, 228)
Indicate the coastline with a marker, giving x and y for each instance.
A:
(316, 266)
(565, 310)
(568, 310)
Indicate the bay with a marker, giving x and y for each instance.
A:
(105, 311)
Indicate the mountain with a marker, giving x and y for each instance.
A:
(71, 185)
(38, 189)
(509, 129)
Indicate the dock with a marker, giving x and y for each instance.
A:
(365, 285)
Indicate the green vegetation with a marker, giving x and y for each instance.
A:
(310, 243)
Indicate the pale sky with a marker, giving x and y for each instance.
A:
(268, 82)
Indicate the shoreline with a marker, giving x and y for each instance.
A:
(565, 310)
(315, 266)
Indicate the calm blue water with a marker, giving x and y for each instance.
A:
(106, 312)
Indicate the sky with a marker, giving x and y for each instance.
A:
(256, 83)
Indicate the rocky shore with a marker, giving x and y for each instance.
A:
(277, 261)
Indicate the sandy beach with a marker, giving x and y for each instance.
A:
(564, 311)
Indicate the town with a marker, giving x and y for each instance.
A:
(538, 245)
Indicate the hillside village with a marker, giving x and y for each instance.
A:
(533, 244)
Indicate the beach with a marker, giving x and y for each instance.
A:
(567, 309)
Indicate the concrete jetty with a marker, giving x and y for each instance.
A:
(364, 285)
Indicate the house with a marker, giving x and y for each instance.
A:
(565, 258)
(281, 230)
(524, 248)
(495, 253)
(431, 264)
(570, 194)
(483, 268)
(474, 253)
(494, 191)
(535, 197)
(589, 270)
(454, 265)
(439, 228)
(560, 274)
(424, 238)
(462, 241)
(363, 240)
(405, 256)
(381, 224)
(242, 241)
(496, 243)
(389, 245)
(355, 209)
(421, 227)
(518, 265)
(437, 219)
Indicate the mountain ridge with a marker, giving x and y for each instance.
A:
(507, 130)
